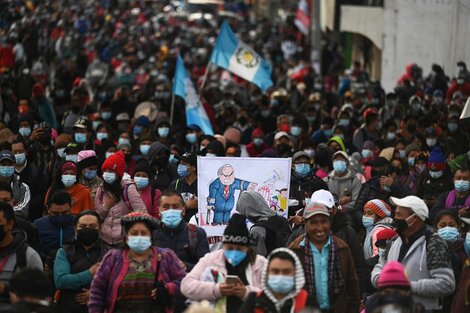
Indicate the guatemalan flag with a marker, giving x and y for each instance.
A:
(235, 56)
(183, 87)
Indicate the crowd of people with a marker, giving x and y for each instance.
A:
(99, 171)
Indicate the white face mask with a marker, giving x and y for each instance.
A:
(431, 142)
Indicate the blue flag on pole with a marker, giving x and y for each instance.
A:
(183, 87)
(240, 59)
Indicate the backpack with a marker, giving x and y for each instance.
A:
(21, 260)
(278, 232)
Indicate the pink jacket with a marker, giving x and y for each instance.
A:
(196, 289)
(111, 217)
(151, 205)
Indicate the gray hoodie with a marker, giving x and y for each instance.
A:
(254, 207)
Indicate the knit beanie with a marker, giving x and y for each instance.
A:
(393, 275)
(436, 161)
(379, 207)
(236, 231)
(384, 236)
(233, 135)
(69, 166)
(62, 140)
(411, 147)
(116, 163)
(86, 158)
(26, 118)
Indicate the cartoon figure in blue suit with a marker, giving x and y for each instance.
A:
(221, 198)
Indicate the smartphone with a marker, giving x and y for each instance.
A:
(233, 280)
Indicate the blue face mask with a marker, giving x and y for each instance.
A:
(368, 222)
(234, 257)
(7, 171)
(163, 131)
(366, 153)
(258, 141)
(20, 158)
(139, 243)
(466, 244)
(436, 174)
(141, 182)
(124, 140)
(328, 132)
(191, 138)
(449, 233)
(137, 131)
(80, 137)
(411, 162)
(101, 136)
(61, 153)
(182, 170)
(25, 131)
(109, 177)
(302, 169)
(71, 158)
(68, 180)
(343, 122)
(452, 127)
(172, 159)
(90, 174)
(281, 283)
(144, 149)
(402, 153)
(339, 166)
(106, 115)
(172, 218)
(295, 131)
(460, 185)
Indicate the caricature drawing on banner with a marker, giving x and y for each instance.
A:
(221, 180)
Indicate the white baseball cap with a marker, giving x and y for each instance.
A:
(324, 197)
(415, 204)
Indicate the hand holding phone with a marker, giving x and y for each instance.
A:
(233, 280)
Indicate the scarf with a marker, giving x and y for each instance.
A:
(335, 277)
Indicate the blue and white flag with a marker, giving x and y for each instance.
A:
(183, 87)
(235, 56)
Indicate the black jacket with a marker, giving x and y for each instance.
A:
(28, 307)
(178, 240)
(303, 187)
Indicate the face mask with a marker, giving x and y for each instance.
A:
(172, 159)
(80, 137)
(401, 225)
(101, 136)
(109, 177)
(381, 252)
(7, 171)
(368, 222)
(137, 131)
(234, 257)
(172, 218)
(139, 243)
(124, 140)
(20, 158)
(96, 124)
(144, 149)
(88, 236)
(339, 166)
(366, 153)
(462, 185)
(328, 132)
(141, 182)
(302, 169)
(436, 175)
(420, 168)
(108, 154)
(105, 115)
(210, 155)
(310, 119)
(466, 243)
(191, 138)
(265, 113)
(391, 136)
(71, 158)
(452, 127)
(343, 122)
(163, 131)
(25, 131)
(68, 180)
(281, 283)
(90, 174)
(460, 81)
(449, 233)
(402, 153)
(317, 86)
(61, 153)
(182, 170)
(258, 141)
(411, 162)
(295, 131)
(431, 142)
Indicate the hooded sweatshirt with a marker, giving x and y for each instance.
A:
(252, 205)
(165, 173)
(266, 300)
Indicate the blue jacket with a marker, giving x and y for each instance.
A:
(54, 235)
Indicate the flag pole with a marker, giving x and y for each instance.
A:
(172, 109)
(205, 77)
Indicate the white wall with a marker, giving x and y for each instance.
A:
(424, 32)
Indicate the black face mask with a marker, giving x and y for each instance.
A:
(400, 225)
(160, 161)
(88, 236)
(395, 298)
(283, 148)
(3, 233)
(242, 120)
(411, 128)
